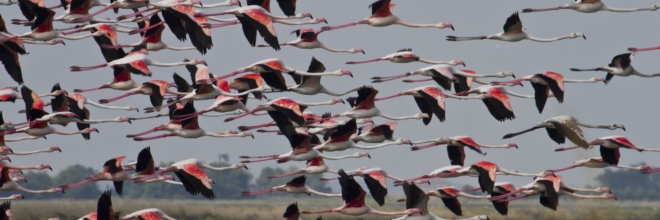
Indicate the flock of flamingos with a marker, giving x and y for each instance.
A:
(309, 135)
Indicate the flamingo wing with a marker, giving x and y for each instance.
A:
(436, 100)
(9, 59)
(145, 162)
(351, 191)
(493, 109)
(551, 197)
(288, 7)
(456, 155)
(275, 80)
(463, 83)
(197, 180)
(264, 26)
(27, 9)
(290, 109)
(556, 83)
(154, 32)
(416, 198)
(425, 108)
(181, 84)
(175, 24)
(487, 175)
(79, 7)
(621, 61)
(375, 181)
(380, 8)
(249, 31)
(366, 98)
(500, 207)
(299, 181)
(344, 132)
(44, 21)
(155, 97)
(263, 3)
(292, 212)
(384, 130)
(453, 205)
(104, 206)
(513, 24)
(610, 155)
(365, 128)
(540, 95)
(572, 132)
(81, 114)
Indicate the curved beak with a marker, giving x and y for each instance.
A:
(585, 37)
(464, 64)
(246, 167)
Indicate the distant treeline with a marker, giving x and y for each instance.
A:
(228, 184)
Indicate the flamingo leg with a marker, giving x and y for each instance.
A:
(419, 80)
(69, 186)
(567, 148)
(207, 25)
(251, 193)
(207, 81)
(288, 174)
(268, 156)
(122, 17)
(416, 148)
(378, 79)
(146, 132)
(504, 196)
(246, 128)
(157, 108)
(329, 28)
(85, 68)
(146, 29)
(643, 49)
(105, 101)
(145, 17)
(155, 137)
(515, 198)
(566, 168)
(316, 212)
(365, 61)
(189, 116)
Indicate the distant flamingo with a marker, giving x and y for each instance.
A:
(456, 147)
(448, 172)
(371, 133)
(498, 104)
(340, 140)
(155, 89)
(290, 108)
(152, 37)
(608, 143)
(354, 203)
(144, 166)
(43, 27)
(445, 76)
(620, 66)
(103, 208)
(381, 16)
(9, 185)
(591, 6)
(276, 65)
(561, 127)
(417, 199)
(173, 125)
(151, 213)
(366, 108)
(307, 39)
(311, 85)
(513, 32)
(545, 82)
(112, 171)
(602, 162)
(11, 94)
(124, 4)
(295, 186)
(375, 179)
(138, 59)
(407, 56)
(449, 196)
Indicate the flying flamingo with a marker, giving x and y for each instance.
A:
(354, 204)
(276, 65)
(9, 185)
(449, 196)
(609, 143)
(109, 38)
(417, 199)
(513, 32)
(8, 151)
(12, 197)
(222, 103)
(193, 178)
(290, 108)
(144, 166)
(607, 160)
(151, 213)
(620, 66)
(366, 108)
(137, 59)
(591, 6)
(500, 188)
(81, 100)
(42, 29)
(545, 82)
(126, 4)
(173, 125)
(292, 212)
(190, 129)
(561, 127)
(155, 89)
(301, 149)
(311, 85)
(456, 147)
(407, 56)
(9, 59)
(445, 76)
(112, 171)
(381, 16)
(340, 140)
(562, 192)
(452, 172)
(371, 133)
(152, 37)
(295, 186)
(103, 208)
(35, 110)
(10, 94)
(248, 82)
(498, 103)
(307, 39)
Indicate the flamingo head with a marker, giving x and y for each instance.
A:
(20, 179)
(6, 149)
(509, 145)
(421, 115)
(456, 62)
(133, 108)
(608, 196)
(362, 154)
(598, 79)
(646, 169)
(576, 35)
(319, 20)
(505, 74)
(305, 15)
(365, 120)
(200, 61)
(239, 165)
(615, 126)
(405, 141)
(445, 25)
(51, 149)
(5, 158)
(123, 119)
(196, 2)
(54, 42)
(16, 196)
(236, 2)
(337, 100)
(356, 50)
(413, 211)
(343, 72)
(54, 190)
(44, 166)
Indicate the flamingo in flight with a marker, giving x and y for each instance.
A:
(314, 166)
(610, 142)
(307, 39)
(133, 4)
(607, 159)
(449, 196)
(255, 19)
(445, 75)
(381, 16)
(418, 199)
(276, 65)
(354, 204)
(370, 133)
(222, 103)
(190, 128)
(562, 192)
(110, 37)
(144, 166)
(295, 186)
(407, 56)
(8, 184)
(301, 148)
(103, 208)
(173, 125)
(311, 85)
(498, 103)
(445, 172)
(155, 89)
(152, 37)
(9, 50)
(138, 60)
(456, 147)
(194, 179)
(545, 82)
(151, 213)
(340, 140)
(561, 127)
(42, 28)
(10, 94)
(291, 109)
(591, 6)
(513, 32)
(620, 66)
(365, 107)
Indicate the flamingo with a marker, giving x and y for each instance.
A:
(354, 204)
(112, 171)
(366, 108)
(513, 32)
(561, 127)
(449, 196)
(35, 110)
(288, 107)
(456, 147)
(307, 39)
(151, 213)
(190, 129)
(137, 59)
(130, 4)
(9, 185)
(498, 103)
(276, 65)
(152, 37)
(81, 100)
(301, 148)
(12, 197)
(545, 82)
(417, 199)
(606, 160)
(42, 29)
(381, 16)
(9, 51)
(103, 208)
(371, 133)
(311, 85)
(155, 89)
(248, 82)
(193, 178)
(144, 166)
(173, 125)
(620, 66)
(340, 140)
(562, 192)
(295, 186)
(445, 75)
(10, 94)
(223, 103)
(407, 56)
(591, 6)
(292, 212)
(452, 172)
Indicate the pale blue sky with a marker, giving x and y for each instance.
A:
(608, 34)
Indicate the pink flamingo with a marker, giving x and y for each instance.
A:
(456, 147)
(295, 186)
(407, 56)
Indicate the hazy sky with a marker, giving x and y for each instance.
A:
(608, 34)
